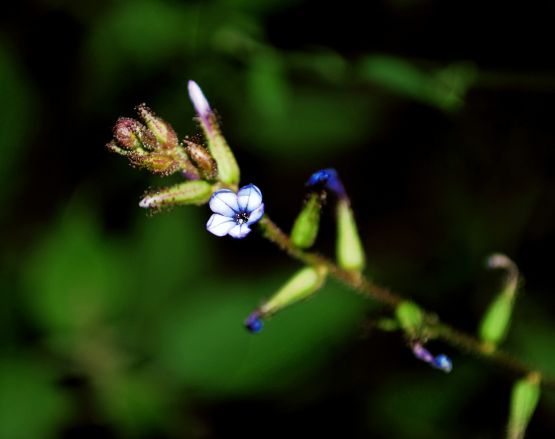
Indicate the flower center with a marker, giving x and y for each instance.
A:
(241, 218)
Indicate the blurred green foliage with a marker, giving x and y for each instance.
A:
(118, 325)
(16, 111)
(30, 403)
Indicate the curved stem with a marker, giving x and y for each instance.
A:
(436, 329)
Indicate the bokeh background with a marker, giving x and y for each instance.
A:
(439, 117)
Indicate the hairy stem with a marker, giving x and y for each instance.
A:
(436, 328)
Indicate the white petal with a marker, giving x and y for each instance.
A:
(239, 231)
(256, 215)
(224, 202)
(219, 225)
(198, 99)
(249, 198)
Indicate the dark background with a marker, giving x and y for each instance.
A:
(437, 115)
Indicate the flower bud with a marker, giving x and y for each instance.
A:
(159, 163)
(410, 317)
(329, 180)
(202, 160)
(306, 225)
(228, 170)
(442, 362)
(132, 135)
(301, 286)
(202, 107)
(349, 250)
(524, 399)
(254, 322)
(160, 129)
(189, 192)
(422, 353)
(495, 323)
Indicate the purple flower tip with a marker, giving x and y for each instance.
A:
(327, 179)
(422, 353)
(202, 107)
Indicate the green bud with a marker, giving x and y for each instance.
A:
(350, 253)
(495, 323)
(189, 192)
(202, 160)
(410, 317)
(306, 225)
(228, 169)
(160, 129)
(301, 286)
(524, 399)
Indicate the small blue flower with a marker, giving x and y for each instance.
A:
(443, 362)
(234, 213)
(254, 322)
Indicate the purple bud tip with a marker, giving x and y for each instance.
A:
(253, 322)
(422, 353)
(202, 107)
(328, 179)
(443, 362)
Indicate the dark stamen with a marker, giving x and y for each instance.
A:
(241, 218)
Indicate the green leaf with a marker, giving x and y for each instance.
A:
(205, 344)
(74, 278)
(422, 404)
(136, 400)
(30, 404)
(300, 133)
(138, 36)
(168, 253)
(268, 88)
(444, 87)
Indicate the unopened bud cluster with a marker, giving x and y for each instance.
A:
(151, 143)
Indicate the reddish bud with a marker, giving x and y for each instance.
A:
(202, 159)
(132, 135)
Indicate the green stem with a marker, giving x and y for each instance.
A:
(436, 329)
